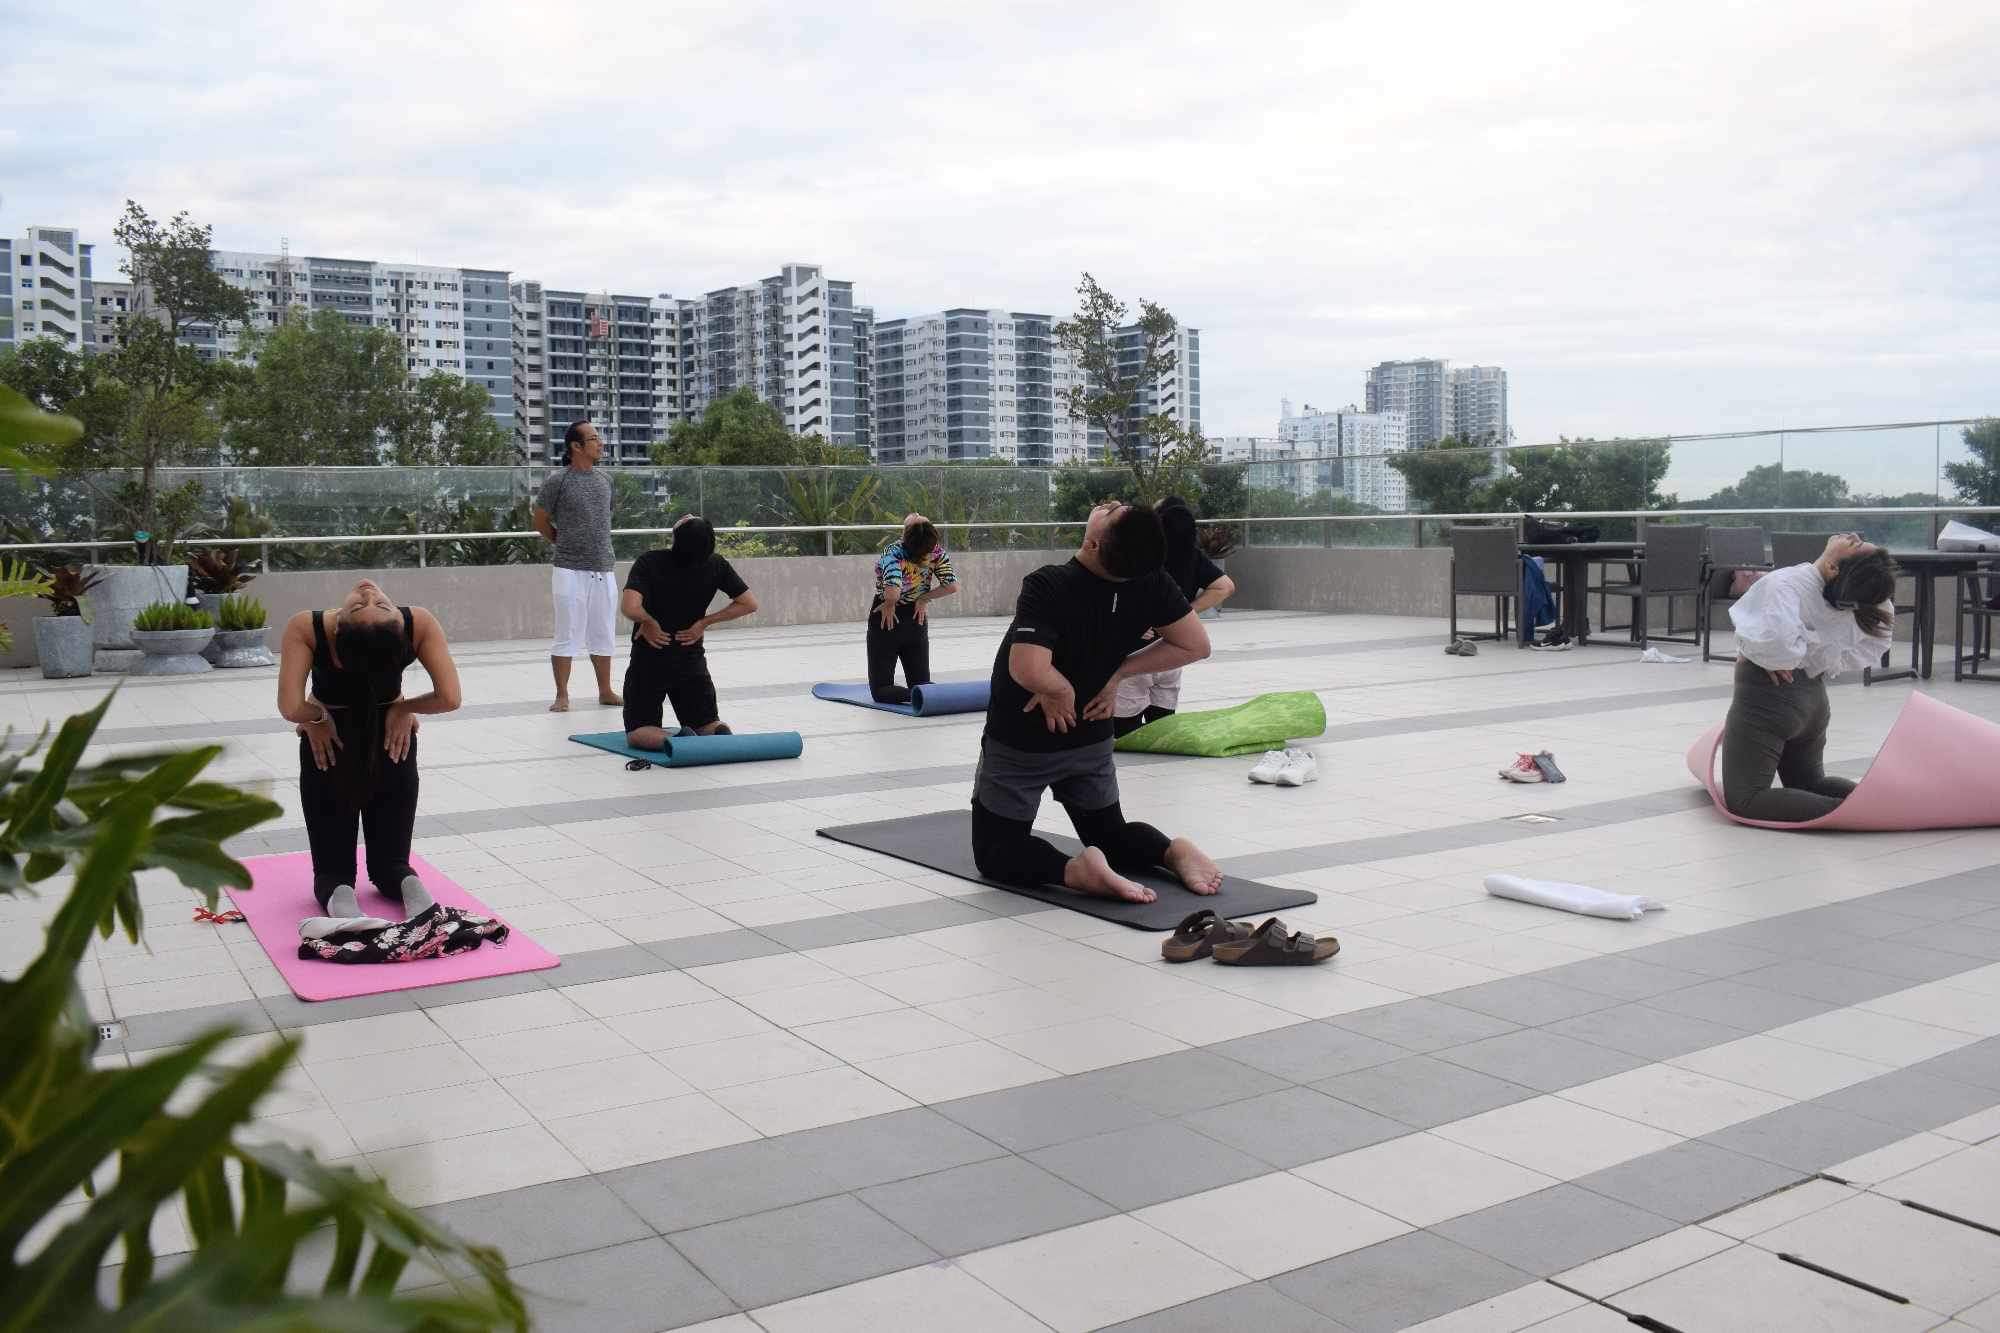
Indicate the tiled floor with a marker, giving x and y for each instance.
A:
(782, 1084)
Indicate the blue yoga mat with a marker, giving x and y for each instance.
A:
(693, 751)
(934, 700)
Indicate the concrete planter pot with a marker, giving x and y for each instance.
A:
(171, 652)
(232, 648)
(63, 647)
(211, 602)
(127, 590)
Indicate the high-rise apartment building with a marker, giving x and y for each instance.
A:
(1479, 404)
(798, 340)
(450, 319)
(968, 383)
(1350, 450)
(1420, 390)
(46, 289)
(1176, 394)
(114, 308)
(614, 360)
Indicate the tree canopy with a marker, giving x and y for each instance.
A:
(1976, 479)
(1163, 456)
(740, 429)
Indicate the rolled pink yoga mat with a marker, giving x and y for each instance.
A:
(1939, 767)
(283, 897)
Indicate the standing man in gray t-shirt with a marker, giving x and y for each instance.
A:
(573, 511)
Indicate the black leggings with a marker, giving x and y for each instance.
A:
(1778, 731)
(381, 806)
(908, 642)
(1008, 850)
(1125, 726)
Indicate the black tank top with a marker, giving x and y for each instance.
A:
(338, 687)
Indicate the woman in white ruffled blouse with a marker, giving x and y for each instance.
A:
(1795, 628)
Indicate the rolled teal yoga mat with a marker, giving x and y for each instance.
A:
(694, 751)
(1263, 723)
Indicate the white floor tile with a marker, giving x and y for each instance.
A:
(1271, 1224)
(436, 1113)
(387, 1073)
(649, 1132)
(820, 1002)
(1872, 1036)
(546, 1048)
(1941, 1005)
(687, 1025)
(630, 995)
(1601, 1278)
(507, 1014)
(1424, 1179)
(1679, 1101)
(462, 1168)
(1761, 1215)
(1939, 1265)
(1557, 1137)
(602, 1085)
(1100, 1273)
(754, 976)
(805, 1101)
(382, 1033)
(1893, 1159)
(1787, 1068)
(740, 1060)
(934, 1296)
(1523, 1307)
(867, 957)
(877, 1036)
(1746, 1290)
(961, 1070)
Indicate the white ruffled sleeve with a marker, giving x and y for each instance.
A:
(1843, 647)
(1770, 618)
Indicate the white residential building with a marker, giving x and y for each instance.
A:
(1479, 404)
(1418, 389)
(1352, 448)
(798, 340)
(114, 308)
(46, 289)
(969, 383)
(614, 360)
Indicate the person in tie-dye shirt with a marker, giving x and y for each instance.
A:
(914, 572)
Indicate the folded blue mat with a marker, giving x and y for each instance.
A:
(934, 700)
(693, 751)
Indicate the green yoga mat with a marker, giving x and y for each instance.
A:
(1263, 723)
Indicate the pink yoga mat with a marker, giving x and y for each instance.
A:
(1939, 767)
(283, 897)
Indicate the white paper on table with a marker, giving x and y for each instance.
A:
(1580, 898)
(1957, 536)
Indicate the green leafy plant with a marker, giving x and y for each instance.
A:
(68, 585)
(240, 613)
(19, 579)
(24, 428)
(171, 616)
(217, 570)
(92, 1154)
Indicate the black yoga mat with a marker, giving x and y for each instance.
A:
(943, 842)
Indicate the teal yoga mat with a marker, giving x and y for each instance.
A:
(694, 751)
(1263, 723)
(938, 699)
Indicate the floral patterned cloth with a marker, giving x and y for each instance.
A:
(430, 934)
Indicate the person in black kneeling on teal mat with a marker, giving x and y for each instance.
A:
(1077, 632)
(666, 598)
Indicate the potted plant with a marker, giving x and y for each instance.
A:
(214, 574)
(171, 636)
(18, 579)
(62, 638)
(239, 634)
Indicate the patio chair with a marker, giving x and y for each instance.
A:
(1673, 567)
(1729, 550)
(1485, 562)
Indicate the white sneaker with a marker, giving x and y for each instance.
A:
(1268, 768)
(1301, 767)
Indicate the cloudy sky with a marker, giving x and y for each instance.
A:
(1685, 217)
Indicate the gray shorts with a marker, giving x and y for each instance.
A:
(1010, 782)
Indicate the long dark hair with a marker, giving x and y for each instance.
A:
(1861, 585)
(1178, 520)
(374, 649)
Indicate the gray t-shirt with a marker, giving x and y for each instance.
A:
(579, 504)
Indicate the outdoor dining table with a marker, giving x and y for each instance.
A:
(1576, 559)
(1925, 568)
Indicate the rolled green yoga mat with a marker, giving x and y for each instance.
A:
(1263, 723)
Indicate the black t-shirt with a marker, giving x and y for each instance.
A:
(1206, 571)
(677, 596)
(1090, 625)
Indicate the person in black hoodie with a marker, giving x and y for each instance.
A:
(1150, 696)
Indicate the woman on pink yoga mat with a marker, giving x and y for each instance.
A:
(1794, 629)
(358, 747)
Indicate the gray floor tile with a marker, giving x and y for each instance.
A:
(289, 1011)
(1182, 1081)
(1710, 955)
(1910, 1099)
(1690, 1181)
(908, 918)
(1294, 1126)
(1834, 983)
(1976, 939)
(822, 932)
(1806, 1137)
(1901, 959)
(1398, 1283)
(1148, 1164)
(1000, 903)
(1542, 1060)
(880, 1148)
(627, 960)
(1422, 1025)
(1730, 1001)
(1977, 1064)
(1651, 1033)
(724, 946)
(484, 988)
(1256, 1306)
(1554, 1230)
(638, 1287)
(795, 1251)
(1620, 977)
(1860, 918)
(540, 1222)
(176, 1026)
(1308, 1051)
(1981, 885)
(968, 1208)
(719, 1184)
(1423, 1091)
(1041, 1114)
(1525, 1000)
(1921, 901)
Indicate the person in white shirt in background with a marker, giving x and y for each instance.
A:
(1795, 628)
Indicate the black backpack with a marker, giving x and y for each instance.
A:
(1553, 532)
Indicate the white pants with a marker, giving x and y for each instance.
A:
(586, 612)
(1159, 689)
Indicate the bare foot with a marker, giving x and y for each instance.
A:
(561, 705)
(1192, 866)
(608, 700)
(1088, 872)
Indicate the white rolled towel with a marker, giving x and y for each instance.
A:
(1572, 897)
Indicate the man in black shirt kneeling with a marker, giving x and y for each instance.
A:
(666, 598)
(1077, 632)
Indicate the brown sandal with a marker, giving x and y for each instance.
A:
(1197, 936)
(1271, 945)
